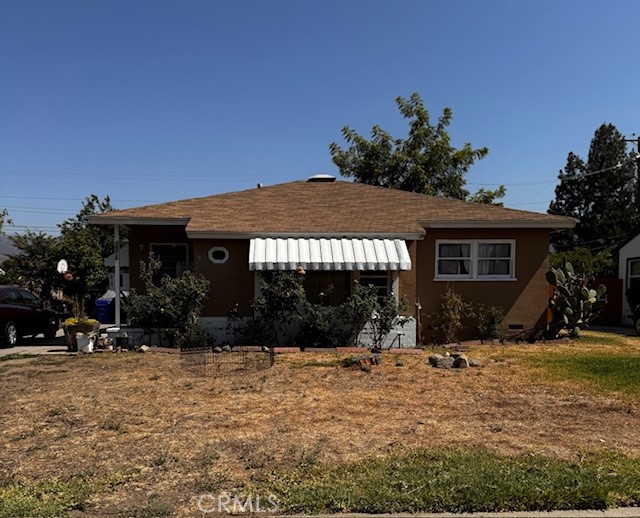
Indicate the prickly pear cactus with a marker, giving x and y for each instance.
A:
(573, 304)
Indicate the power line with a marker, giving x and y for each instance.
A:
(74, 199)
(141, 177)
(50, 210)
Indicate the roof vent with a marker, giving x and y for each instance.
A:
(321, 178)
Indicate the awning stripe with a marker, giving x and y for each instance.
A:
(328, 254)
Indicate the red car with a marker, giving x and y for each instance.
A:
(22, 313)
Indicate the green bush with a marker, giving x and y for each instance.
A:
(339, 325)
(281, 305)
(285, 316)
(169, 303)
(489, 319)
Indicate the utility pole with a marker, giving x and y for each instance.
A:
(637, 143)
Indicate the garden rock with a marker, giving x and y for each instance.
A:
(144, 348)
(217, 349)
(444, 362)
(457, 360)
(433, 359)
(461, 362)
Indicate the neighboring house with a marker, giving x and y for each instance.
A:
(410, 244)
(629, 272)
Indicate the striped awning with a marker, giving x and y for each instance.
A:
(328, 254)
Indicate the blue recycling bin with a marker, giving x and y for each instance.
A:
(105, 311)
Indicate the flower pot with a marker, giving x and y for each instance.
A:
(70, 333)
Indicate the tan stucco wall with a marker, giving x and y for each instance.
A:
(524, 301)
(408, 281)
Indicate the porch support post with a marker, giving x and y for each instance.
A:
(116, 231)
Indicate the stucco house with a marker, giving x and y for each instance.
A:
(409, 244)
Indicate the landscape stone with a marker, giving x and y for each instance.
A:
(474, 363)
(461, 362)
(433, 358)
(445, 362)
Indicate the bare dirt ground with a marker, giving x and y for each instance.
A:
(162, 429)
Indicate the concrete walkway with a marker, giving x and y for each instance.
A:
(38, 345)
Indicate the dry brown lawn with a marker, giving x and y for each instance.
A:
(159, 428)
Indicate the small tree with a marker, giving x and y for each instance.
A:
(453, 309)
(573, 304)
(88, 273)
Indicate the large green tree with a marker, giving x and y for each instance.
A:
(424, 161)
(83, 246)
(34, 265)
(600, 192)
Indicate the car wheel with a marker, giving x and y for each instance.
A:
(636, 324)
(52, 328)
(10, 334)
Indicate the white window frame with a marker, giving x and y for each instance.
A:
(473, 268)
(630, 261)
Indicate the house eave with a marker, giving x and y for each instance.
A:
(500, 224)
(119, 220)
(407, 236)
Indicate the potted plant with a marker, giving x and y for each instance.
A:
(79, 322)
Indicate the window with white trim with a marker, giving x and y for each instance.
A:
(476, 259)
(633, 274)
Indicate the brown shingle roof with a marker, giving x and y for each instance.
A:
(327, 208)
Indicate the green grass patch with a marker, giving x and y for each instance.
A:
(615, 372)
(16, 356)
(459, 480)
(43, 499)
(598, 338)
(53, 498)
(155, 507)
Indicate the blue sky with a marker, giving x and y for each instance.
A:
(154, 100)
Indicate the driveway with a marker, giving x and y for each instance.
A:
(38, 345)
